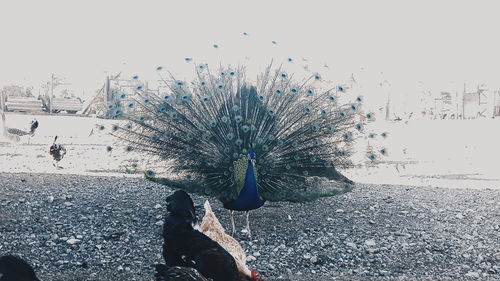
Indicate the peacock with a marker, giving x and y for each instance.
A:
(14, 134)
(57, 151)
(243, 142)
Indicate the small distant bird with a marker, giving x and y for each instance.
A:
(13, 268)
(57, 151)
(14, 134)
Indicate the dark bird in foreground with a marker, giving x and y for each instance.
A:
(186, 247)
(15, 269)
(57, 151)
(245, 143)
(14, 134)
(177, 273)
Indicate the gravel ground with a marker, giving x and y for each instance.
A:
(108, 228)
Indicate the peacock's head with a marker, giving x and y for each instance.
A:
(251, 156)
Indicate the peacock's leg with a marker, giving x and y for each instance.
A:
(247, 228)
(232, 223)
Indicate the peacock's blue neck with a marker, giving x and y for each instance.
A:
(248, 198)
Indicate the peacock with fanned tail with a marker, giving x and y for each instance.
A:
(278, 139)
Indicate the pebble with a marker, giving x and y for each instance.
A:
(370, 242)
(72, 241)
(124, 230)
(350, 244)
(472, 274)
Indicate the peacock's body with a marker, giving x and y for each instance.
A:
(246, 144)
(248, 196)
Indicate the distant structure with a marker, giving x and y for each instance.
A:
(496, 103)
(478, 103)
(19, 99)
(116, 96)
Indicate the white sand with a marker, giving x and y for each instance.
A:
(444, 153)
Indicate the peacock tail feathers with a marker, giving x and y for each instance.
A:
(300, 133)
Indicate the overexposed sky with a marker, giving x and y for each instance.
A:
(426, 44)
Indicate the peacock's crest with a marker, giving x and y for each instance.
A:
(206, 129)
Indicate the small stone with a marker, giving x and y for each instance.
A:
(472, 274)
(157, 206)
(256, 254)
(459, 216)
(339, 211)
(159, 223)
(72, 241)
(307, 256)
(350, 244)
(468, 236)
(370, 242)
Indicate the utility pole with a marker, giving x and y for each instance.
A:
(2, 101)
(494, 103)
(387, 108)
(107, 96)
(463, 103)
(51, 93)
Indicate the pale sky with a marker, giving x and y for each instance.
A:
(436, 45)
